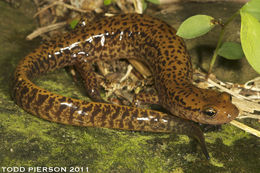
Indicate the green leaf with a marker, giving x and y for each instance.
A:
(107, 2)
(74, 23)
(231, 50)
(253, 8)
(250, 39)
(144, 5)
(154, 1)
(195, 26)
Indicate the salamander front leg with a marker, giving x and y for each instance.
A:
(190, 129)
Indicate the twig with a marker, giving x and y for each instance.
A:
(248, 115)
(140, 67)
(129, 69)
(226, 90)
(245, 128)
(245, 105)
(45, 29)
(60, 3)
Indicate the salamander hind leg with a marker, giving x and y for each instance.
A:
(146, 97)
(91, 81)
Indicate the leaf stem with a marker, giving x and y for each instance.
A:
(214, 57)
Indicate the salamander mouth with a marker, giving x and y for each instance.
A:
(215, 121)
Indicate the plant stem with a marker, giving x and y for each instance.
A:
(213, 60)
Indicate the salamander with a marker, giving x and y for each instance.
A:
(130, 36)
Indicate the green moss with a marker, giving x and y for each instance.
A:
(216, 162)
(228, 135)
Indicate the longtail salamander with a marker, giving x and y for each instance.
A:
(131, 36)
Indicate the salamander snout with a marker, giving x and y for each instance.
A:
(218, 109)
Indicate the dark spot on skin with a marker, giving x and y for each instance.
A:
(163, 62)
(115, 114)
(63, 99)
(41, 99)
(125, 114)
(179, 62)
(96, 110)
(182, 102)
(166, 52)
(49, 104)
(60, 45)
(32, 95)
(170, 63)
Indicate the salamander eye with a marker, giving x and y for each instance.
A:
(230, 98)
(210, 112)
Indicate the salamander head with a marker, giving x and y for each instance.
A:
(216, 108)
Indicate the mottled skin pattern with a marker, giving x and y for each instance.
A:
(130, 36)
